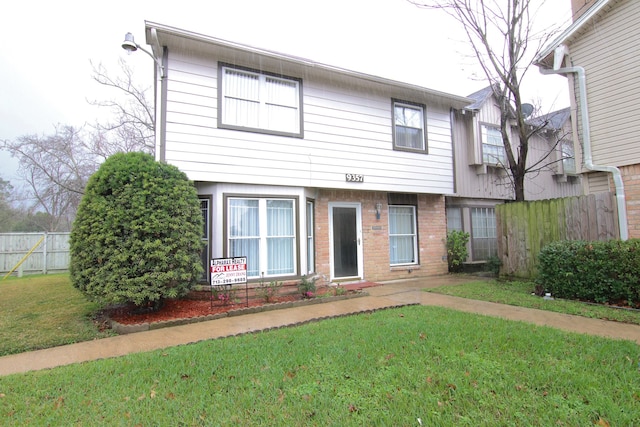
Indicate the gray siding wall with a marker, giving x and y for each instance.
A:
(479, 182)
(608, 50)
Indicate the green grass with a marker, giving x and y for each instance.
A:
(387, 368)
(519, 294)
(43, 311)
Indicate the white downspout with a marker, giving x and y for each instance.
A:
(586, 140)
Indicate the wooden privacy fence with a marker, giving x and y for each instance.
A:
(49, 256)
(523, 228)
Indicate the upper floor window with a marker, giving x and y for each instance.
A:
(259, 102)
(492, 147)
(409, 126)
(568, 157)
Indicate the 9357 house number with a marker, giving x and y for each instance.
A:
(353, 177)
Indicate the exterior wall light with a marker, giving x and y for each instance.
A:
(378, 210)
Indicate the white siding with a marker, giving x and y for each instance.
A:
(347, 129)
(608, 50)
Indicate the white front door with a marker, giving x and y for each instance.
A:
(345, 240)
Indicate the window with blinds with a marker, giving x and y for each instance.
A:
(259, 102)
(484, 242)
(403, 238)
(263, 230)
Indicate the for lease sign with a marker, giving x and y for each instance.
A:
(228, 271)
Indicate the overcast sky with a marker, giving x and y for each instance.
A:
(47, 46)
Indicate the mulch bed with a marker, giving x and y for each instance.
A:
(184, 309)
(200, 305)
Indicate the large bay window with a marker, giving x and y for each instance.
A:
(263, 230)
(403, 238)
(259, 102)
(408, 126)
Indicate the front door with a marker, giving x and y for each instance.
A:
(346, 259)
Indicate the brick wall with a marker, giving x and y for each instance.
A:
(431, 235)
(631, 179)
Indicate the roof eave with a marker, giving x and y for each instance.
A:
(454, 100)
(545, 58)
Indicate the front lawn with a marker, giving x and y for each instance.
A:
(43, 311)
(398, 367)
(519, 293)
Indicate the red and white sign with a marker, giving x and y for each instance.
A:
(228, 271)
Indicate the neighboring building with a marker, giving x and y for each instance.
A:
(306, 168)
(482, 179)
(599, 55)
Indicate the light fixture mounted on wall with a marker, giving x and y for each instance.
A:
(378, 210)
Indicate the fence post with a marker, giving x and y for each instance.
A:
(44, 253)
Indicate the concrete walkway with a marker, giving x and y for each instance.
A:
(389, 295)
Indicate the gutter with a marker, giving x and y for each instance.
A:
(586, 138)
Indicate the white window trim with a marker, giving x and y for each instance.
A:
(414, 235)
(567, 158)
(263, 238)
(423, 119)
(474, 238)
(484, 127)
(262, 76)
(310, 234)
(206, 235)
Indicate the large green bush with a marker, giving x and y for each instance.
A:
(605, 272)
(137, 234)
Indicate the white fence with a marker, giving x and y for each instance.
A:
(50, 252)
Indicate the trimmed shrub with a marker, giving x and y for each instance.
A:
(457, 252)
(137, 234)
(604, 272)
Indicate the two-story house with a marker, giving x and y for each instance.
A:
(598, 53)
(482, 177)
(306, 168)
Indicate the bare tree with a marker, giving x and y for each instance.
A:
(502, 38)
(55, 169)
(132, 127)
(7, 211)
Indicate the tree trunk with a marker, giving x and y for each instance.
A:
(518, 186)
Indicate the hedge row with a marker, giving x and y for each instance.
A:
(603, 272)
